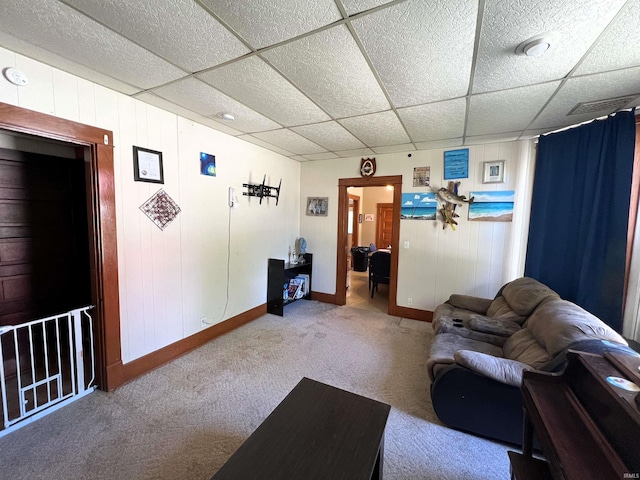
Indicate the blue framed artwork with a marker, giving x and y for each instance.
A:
(207, 164)
(494, 206)
(456, 164)
(419, 206)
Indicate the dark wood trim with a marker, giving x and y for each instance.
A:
(324, 297)
(20, 119)
(164, 355)
(414, 314)
(343, 204)
(101, 203)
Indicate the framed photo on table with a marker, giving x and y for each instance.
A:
(493, 172)
(147, 165)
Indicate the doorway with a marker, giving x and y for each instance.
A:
(95, 147)
(44, 244)
(394, 181)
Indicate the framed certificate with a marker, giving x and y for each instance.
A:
(147, 165)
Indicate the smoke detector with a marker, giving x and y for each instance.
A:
(537, 46)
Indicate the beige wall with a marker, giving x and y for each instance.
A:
(170, 279)
(476, 259)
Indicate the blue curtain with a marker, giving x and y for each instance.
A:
(579, 214)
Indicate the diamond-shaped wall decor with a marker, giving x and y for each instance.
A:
(161, 209)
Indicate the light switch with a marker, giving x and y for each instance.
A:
(406, 244)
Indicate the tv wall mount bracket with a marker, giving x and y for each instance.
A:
(262, 190)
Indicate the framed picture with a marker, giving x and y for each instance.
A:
(421, 176)
(493, 172)
(368, 217)
(317, 206)
(147, 165)
(456, 164)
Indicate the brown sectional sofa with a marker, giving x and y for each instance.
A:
(482, 346)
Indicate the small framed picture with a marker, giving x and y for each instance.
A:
(493, 172)
(147, 165)
(317, 206)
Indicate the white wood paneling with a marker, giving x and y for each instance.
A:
(171, 278)
(475, 259)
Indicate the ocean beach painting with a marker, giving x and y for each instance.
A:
(419, 206)
(494, 206)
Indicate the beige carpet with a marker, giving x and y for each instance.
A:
(183, 420)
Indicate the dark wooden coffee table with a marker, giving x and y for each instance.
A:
(316, 432)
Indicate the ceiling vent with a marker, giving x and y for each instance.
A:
(602, 106)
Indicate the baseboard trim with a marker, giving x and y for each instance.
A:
(153, 360)
(324, 297)
(413, 314)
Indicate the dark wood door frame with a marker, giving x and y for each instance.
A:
(343, 218)
(102, 226)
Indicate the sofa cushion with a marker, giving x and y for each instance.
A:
(445, 345)
(502, 328)
(463, 328)
(499, 369)
(500, 309)
(523, 347)
(524, 294)
(560, 323)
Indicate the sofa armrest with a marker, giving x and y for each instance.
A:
(501, 370)
(467, 302)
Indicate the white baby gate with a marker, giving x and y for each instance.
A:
(44, 366)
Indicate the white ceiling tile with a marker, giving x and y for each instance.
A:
(508, 23)
(607, 54)
(159, 102)
(498, 137)
(356, 6)
(263, 89)
(407, 147)
(261, 143)
(507, 110)
(298, 158)
(358, 152)
(62, 63)
(56, 27)
(290, 141)
(437, 144)
(266, 22)
(321, 156)
(533, 133)
(580, 89)
(377, 129)
(206, 100)
(435, 121)
(330, 68)
(412, 47)
(330, 135)
(179, 31)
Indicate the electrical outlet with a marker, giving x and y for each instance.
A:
(203, 322)
(410, 301)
